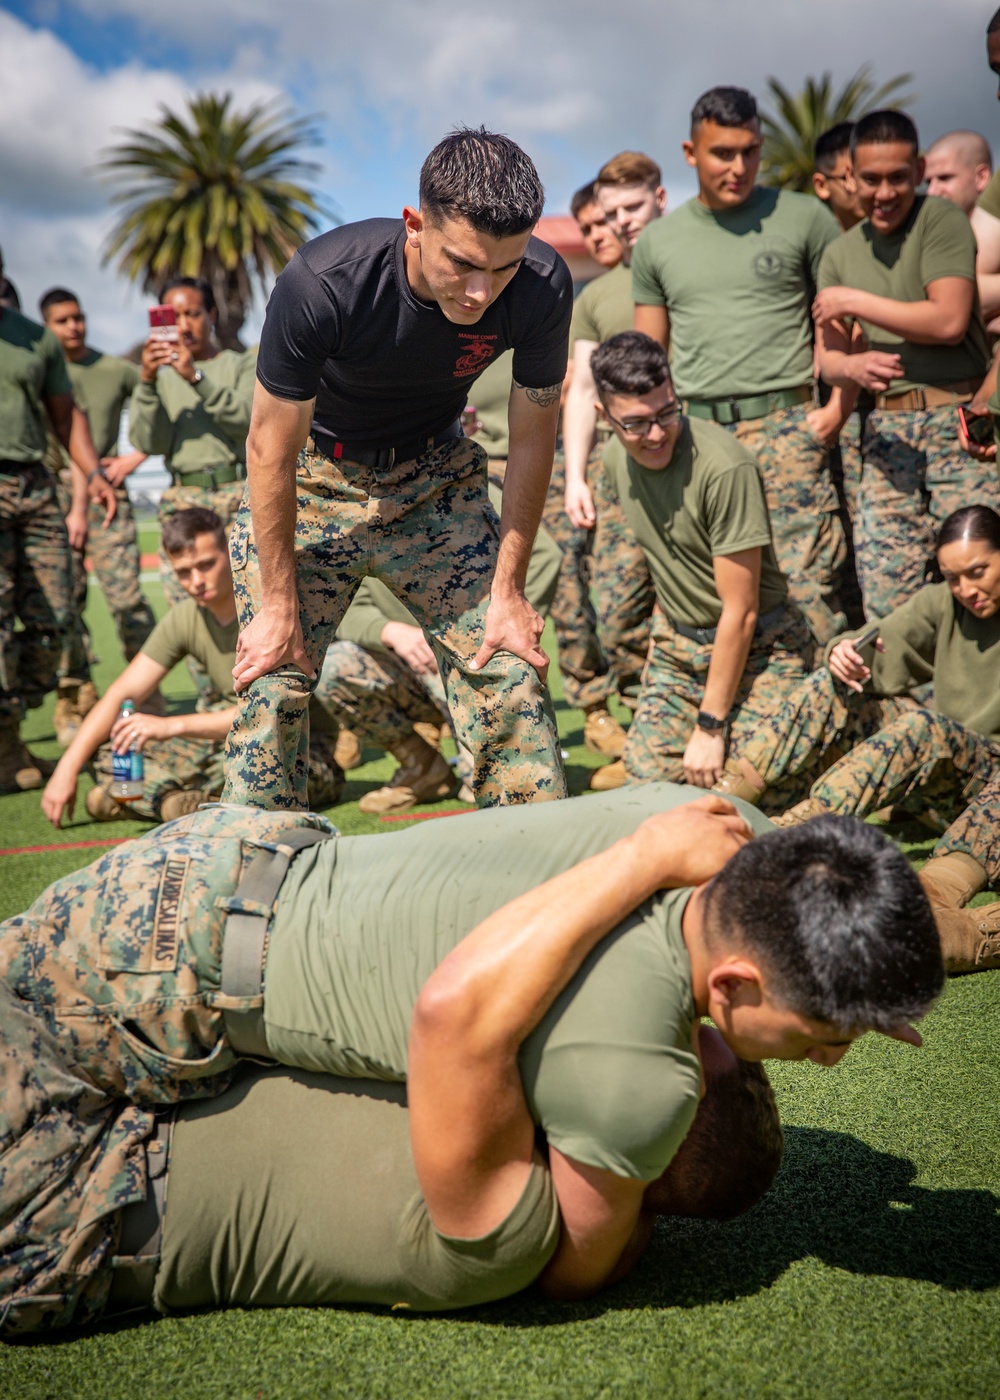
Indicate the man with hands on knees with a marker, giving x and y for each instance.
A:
(726, 642)
(358, 465)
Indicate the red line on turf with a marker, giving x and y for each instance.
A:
(63, 846)
(423, 816)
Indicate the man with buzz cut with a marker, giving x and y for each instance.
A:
(897, 313)
(629, 191)
(725, 284)
(373, 334)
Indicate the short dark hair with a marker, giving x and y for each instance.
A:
(585, 195)
(971, 523)
(8, 294)
(54, 297)
(831, 144)
(180, 530)
(884, 129)
(197, 284)
(731, 1153)
(838, 921)
(726, 106)
(483, 178)
(994, 24)
(629, 363)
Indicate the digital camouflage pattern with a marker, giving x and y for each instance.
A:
(113, 551)
(158, 906)
(623, 589)
(913, 476)
(71, 1159)
(802, 502)
(675, 684)
(426, 529)
(225, 502)
(975, 831)
(35, 588)
(375, 694)
(584, 668)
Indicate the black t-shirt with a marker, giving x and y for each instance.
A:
(344, 325)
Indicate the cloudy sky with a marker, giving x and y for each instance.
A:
(572, 80)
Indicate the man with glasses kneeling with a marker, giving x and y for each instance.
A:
(725, 640)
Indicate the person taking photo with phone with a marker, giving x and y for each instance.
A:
(936, 761)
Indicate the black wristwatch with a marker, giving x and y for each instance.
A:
(710, 724)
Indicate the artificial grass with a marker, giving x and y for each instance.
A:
(871, 1269)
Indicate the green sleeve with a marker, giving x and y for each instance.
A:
(56, 374)
(823, 230)
(130, 376)
(582, 326)
(372, 607)
(948, 245)
(149, 428)
(170, 640)
(909, 634)
(230, 408)
(989, 200)
(647, 288)
(828, 273)
(736, 511)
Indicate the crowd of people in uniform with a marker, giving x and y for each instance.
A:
(760, 507)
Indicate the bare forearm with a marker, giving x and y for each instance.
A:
(277, 433)
(206, 724)
(729, 659)
(922, 322)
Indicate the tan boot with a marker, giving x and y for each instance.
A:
(430, 733)
(180, 804)
(805, 811)
(65, 719)
(422, 776)
(348, 750)
(951, 880)
(739, 779)
(611, 776)
(970, 938)
(102, 807)
(602, 733)
(20, 770)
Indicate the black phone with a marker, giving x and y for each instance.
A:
(977, 427)
(865, 646)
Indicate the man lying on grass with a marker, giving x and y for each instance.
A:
(415, 955)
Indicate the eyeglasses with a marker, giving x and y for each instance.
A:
(642, 427)
(844, 180)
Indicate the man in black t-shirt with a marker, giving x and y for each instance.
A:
(357, 465)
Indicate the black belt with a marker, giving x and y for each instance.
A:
(8, 467)
(381, 458)
(705, 635)
(138, 1256)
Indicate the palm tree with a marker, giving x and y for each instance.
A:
(790, 136)
(213, 193)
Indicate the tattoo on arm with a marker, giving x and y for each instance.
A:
(544, 398)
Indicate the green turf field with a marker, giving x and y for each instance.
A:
(871, 1270)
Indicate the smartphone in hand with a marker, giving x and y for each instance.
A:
(865, 646)
(163, 324)
(977, 427)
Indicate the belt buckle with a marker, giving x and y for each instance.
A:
(386, 459)
(210, 473)
(734, 409)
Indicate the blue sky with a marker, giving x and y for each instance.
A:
(572, 80)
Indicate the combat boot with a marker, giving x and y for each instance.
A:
(611, 776)
(805, 811)
(20, 770)
(602, 733)
(182, 803)
(422, 776)
(102, 807)
(740, 779)
(951, 880)
(430, 733)
(74, 700)
(348, 750)
(970, 938)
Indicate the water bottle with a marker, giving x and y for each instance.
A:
(126, 768)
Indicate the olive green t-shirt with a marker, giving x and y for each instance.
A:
(738, 288)
(361, 923)
(604, 308)
(933, 638)
(935, 241)
(298, 1190)
(189, 630)
(490, 396)
(32, 368)
(196, 426)
(708, 502)
(990, 197)
(101, 387)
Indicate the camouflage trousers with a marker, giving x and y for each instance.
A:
(913, 476)
(623, 589)
(113, 551)
(376, 694)
(35, 587)
(225, 502)
(675, 683)
(581, 660)
(426, 528)
(71, 1159)
(805, 524)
